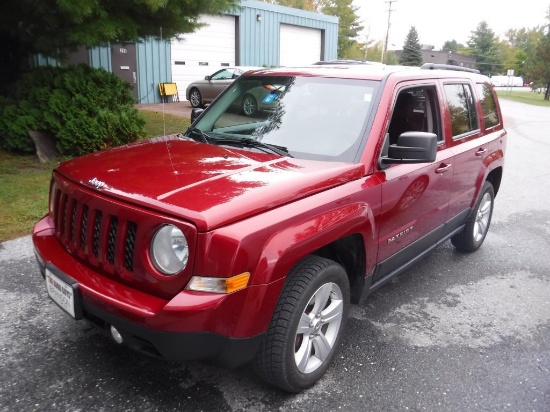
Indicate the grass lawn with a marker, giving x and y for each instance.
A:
(24, 181)
(535, 99)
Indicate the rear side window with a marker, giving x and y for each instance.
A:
(488, 104)
(462, 108)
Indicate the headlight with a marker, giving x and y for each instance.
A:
(169, 250)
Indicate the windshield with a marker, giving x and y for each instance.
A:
(307, 117)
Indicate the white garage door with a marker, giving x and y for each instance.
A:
(203, 52)
(299, 45)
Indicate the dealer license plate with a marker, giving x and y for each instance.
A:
(61, 292)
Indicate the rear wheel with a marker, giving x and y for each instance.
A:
(307, 325)
(477, 225)
(249, 105)
(195, 98)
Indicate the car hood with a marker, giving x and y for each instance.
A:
(207, 184)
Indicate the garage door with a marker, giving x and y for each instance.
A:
(299, 45)
(203, 52)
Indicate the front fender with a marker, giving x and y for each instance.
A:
(270, 244)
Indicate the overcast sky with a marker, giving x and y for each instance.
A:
(437, 21)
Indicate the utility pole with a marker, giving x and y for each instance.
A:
(385, 49)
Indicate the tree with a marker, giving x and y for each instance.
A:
(452, 45)
(520, 45)
(372, 50)
(51, 26)
(484, 46)
(55, 27)
(538, 67)
(411, 55)
(310, 5)
(348, 27)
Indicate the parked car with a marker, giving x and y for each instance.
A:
(202, 92)
(246, 238)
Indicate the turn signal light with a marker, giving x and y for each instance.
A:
(219, 285)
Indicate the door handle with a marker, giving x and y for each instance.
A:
(481, 152)
(443, 169)
(135, 78)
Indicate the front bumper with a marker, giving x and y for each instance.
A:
(190, 326)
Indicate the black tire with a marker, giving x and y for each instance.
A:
(249, 105)
(316, 292)
(195, 98)
(477, 225)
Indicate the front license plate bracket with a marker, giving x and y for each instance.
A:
(63, 290)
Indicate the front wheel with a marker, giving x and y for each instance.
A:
(477, 225)
(307, 325)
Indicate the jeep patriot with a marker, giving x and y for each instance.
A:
(247, 237)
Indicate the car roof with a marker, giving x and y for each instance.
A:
(374, 71)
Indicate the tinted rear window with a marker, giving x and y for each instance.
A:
(488, 105)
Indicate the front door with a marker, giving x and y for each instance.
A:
(415, 197)
(124, 63)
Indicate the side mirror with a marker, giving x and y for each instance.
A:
(413, 147)
(195, 114)
(207, 77)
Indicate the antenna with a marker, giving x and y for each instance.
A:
(162, 98)
(385, 49)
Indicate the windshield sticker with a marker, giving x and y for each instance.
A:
(269, 98)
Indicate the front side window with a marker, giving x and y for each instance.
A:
(488, 104)
(462, 110)
(310, 117)
(415, 110)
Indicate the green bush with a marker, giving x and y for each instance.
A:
(86, 109)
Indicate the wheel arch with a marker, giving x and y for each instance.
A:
(495, 178)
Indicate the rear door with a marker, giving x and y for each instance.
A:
(415, 197)
(473, 139)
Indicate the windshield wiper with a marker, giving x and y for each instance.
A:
(201, 136)
(248, 142)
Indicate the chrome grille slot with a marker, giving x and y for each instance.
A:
(84, 227)
(72, 234)
(111, 240)
(96, 232)
(62, 213)
(129, 245)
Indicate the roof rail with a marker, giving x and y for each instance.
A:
(434, 66)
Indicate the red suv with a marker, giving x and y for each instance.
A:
(246, 238)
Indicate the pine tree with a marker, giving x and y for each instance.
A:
(484, 47)
(411, 55)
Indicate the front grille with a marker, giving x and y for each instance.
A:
(110, 236)
(93, 235)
